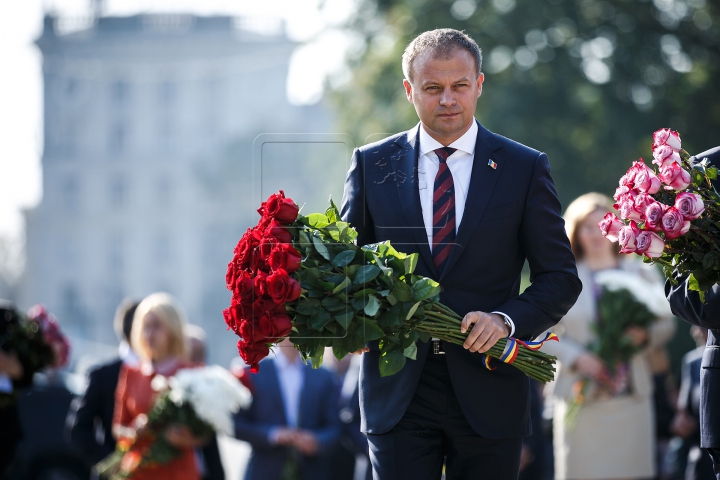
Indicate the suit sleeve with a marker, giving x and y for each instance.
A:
(555, 285)
(686, 304)
(82, 431)
(354, 207)
(250, 430)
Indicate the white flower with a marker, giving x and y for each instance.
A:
(648, 293)
(214, 393)
(159, 383)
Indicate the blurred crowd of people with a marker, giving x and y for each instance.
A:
(636, 420)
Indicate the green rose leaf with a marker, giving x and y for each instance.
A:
(344, 319)
(410, 263)
(306, 306)
(321, 248)
(424, 289)
(412, 310)
(391, 362)
(411, 352)
(402, 292)
(333, 304)
(370, 330)
(342, 285)
(319, 319)
(372, 306)
(343, 258)
(366, 273)
(317, 220)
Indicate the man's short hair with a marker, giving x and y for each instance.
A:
(442, 42)
(124, 318)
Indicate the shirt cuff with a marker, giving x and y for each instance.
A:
(509, 321)
(273, 435)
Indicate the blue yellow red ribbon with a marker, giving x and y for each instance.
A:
(512, 347)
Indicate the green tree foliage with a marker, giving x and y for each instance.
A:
(586, 81)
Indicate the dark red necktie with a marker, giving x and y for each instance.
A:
(443, 211)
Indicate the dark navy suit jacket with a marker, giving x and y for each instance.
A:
(318, 413)
(512, 214)
(686, 304)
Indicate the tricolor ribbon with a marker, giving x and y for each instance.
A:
(512, 347)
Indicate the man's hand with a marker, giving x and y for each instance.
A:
(10, 365)
(306, 442)
(683, 425)
(487, 330)
(360, 351)
(180, 436)
(590, 365)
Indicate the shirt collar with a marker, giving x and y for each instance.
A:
(466, 143)
(283, 363)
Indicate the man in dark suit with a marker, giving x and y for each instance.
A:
(292, 420)
(686, 304)
(94, 411)
(475, 206)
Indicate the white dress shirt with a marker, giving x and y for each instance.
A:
(460, 164)
(290, 377)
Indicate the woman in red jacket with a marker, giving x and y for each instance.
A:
(157, 338)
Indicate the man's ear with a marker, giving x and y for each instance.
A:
(480, 80)
(408, 90)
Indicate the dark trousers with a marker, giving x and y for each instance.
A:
(715, 455)
(433, 430)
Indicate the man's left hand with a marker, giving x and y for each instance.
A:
(487, 329)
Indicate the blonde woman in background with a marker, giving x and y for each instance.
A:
(158, 339)
(613, 437)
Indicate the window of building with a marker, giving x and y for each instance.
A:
(163, 191)
(116, 139)
(119, 92)
(116, 251)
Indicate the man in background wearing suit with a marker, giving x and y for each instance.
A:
(292, 420)
(90, 418)
(686, 304)
(475, 206)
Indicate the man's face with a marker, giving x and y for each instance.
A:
(445, 93)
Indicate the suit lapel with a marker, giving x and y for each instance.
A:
(482, 184)
(405, 167)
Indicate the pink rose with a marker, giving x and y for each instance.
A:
(626, 207)
(664, 155)
(674, 224)
(642, 201)
(610, 226)
(690, 205)
(628, 238)
(675, 177)
(668, 137)
(649, 244)
(621, 191)
(645, 179)
(653, 216)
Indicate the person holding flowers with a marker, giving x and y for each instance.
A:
(688, 305)
(603, 414)
(157, 338)
(473, 206)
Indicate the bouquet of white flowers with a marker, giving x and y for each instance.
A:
(202, 399)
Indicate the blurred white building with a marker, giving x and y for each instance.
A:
(149, 125)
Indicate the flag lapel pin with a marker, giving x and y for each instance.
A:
(492, 164)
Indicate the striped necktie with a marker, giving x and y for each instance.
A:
(443, 211)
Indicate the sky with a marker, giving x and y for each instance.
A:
(313, 23)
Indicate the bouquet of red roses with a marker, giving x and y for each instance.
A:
(670, 213)
(304, 277)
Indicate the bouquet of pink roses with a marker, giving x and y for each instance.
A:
(670, 213)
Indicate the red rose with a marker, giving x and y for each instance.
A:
(266, 246)
(233, 318)
(251, 332)
(281, 287)
(274, 327)
(286, 257)
(278, 232)
(260, 285)
(265, 305)
(284, 210)
(244, 289)
(252, 353)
